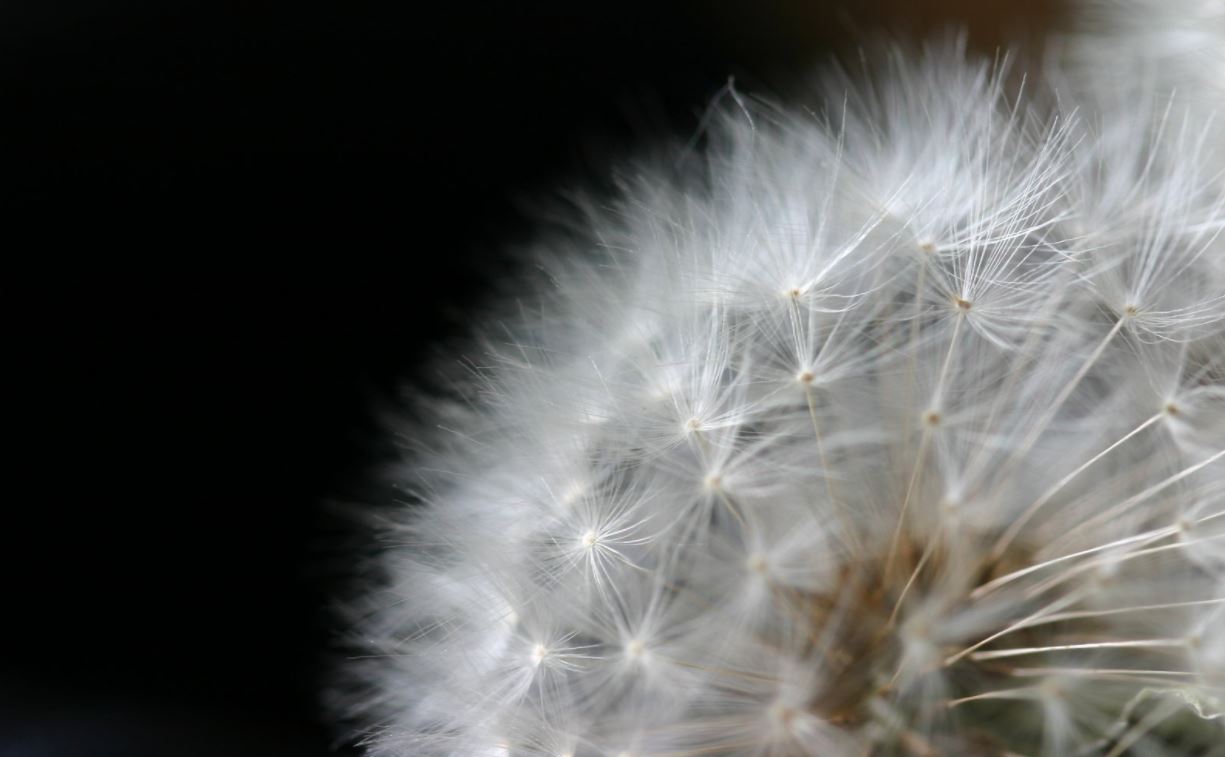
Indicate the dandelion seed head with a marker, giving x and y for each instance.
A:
(899, 428)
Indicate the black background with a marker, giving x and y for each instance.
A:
(232, 230)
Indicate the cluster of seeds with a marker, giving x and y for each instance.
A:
(896, 426)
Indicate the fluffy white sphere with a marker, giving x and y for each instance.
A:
(897, 427)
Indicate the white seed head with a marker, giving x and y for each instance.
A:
(895, 429)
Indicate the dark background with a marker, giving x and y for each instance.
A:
(231, 231)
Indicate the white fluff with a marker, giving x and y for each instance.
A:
(1170, 49)
(897, 428)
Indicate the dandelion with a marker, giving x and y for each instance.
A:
(897, 428)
